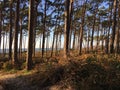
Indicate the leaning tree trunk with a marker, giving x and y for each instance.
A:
(30, 35)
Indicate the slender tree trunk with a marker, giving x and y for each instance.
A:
(35, 24)
(53, 44)
(97, 45)
(56, 48)
(40, 42)
(6, 43)
(118, 32)
(10, 34)
(113, 27)
(103, 34)
(82, 27)
(3, 44)
(0, 25)
(60, 35)
(108, 34)
(88, 41)
(67, 28)
(15, 53)
(43, 42)
(93, 29)
(20, 45)
(74, 39)
(30, 35)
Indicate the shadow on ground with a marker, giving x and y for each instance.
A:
(73, 76)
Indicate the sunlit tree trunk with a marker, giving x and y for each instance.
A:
(20, 45)
(66, 28)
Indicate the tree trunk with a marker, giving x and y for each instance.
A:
(82, 27)
(43, 42)
(56, 48)
(97, 44)
(93, 28)
(20, 45)
(3, 43)
(35, 24)
(66, 28)
(118, 32)
(73, 47)
(30, 35)
(53, 44)
(15, 57)
(88, 41)
(113, 27)
(10, 34)
(0, 25)
(108, 34)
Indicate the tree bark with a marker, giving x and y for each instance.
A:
(15, 52)
(82, 27)
(93, 29)
(0, 25)
(10, 34)
(43, 42)
(113, 27)
(30, 35)
(67, 28)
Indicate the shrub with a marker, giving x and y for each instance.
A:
(91, 59)
(7, 66)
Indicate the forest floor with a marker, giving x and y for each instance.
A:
(85, 72)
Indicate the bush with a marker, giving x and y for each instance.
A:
(7, 66)
(91, 59)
